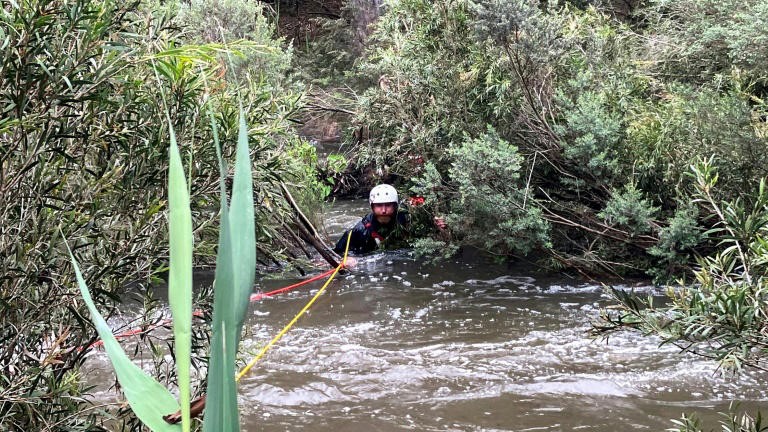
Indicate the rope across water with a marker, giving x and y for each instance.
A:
(254, 298)
(198, 405)
(296, 318)
(198, 313)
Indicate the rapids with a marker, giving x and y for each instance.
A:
(462, 345)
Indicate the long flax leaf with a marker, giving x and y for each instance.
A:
(218, 396)
(180, 275)
(241, 217)
(148, 399)
(235, 271)
(221, 414)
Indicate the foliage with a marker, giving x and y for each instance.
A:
(149, 399)
(584, 102)
(235, 273)
(336, 163)
(450, 69)
(67, 158)
(680, 236)
(333, 43)
(591, 128)
(696, 41)
(724, 314)
(688, 123)
(629, 209)
(330, 40)
(305, 157)
(215, 21)
(484, 197)
(434, 248)
(732, 421)
(421, 104)
(81, 150)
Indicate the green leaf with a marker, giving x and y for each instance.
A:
(180, 275)
(242, 225)
(232, 289)
(148, 399)
(221, 412)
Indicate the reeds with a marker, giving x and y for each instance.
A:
(235, 273)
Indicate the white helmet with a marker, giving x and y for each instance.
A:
(383, 193)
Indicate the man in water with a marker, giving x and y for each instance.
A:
(385, 227)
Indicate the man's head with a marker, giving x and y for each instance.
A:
(383, 199)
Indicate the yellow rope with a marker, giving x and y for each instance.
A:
(296, 318)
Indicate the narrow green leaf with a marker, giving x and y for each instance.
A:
(180, 275)
(242, 223)
(148, 399)
(237, 250)
(221, 412)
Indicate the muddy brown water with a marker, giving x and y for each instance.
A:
(466, 345)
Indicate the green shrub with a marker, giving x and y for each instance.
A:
(81, 144)
(677, 240)
(591, 129)
(433, 248)
(450, 69)
(695, 41)
(333, 44)
(668, 135)
(262, 56)
(422, 57)
(485, 199)
(721, 316)
(630, 210)
(735, 420)
(75, 144)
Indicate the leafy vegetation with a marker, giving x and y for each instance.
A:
(732, 421)
(561, 130)
(723, 314)
(82, 152)
(485, 181)
(596, 111)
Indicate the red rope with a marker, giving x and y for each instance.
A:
(260, 296)
(198, 313)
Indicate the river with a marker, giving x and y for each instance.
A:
(466, 345)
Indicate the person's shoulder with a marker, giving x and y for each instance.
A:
(403, 217)
(365, 223)
(367, 220)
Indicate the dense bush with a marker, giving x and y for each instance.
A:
(721, 316)
(686, 123)
(422, 53)
(84, 86)
(735, 420)
(695, 41)
(605, 132)
(260, 56)
(484, 197)
(67, 159)
(333, 43)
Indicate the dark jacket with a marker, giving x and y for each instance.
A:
(369, 235)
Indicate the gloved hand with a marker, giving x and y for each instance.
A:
(440, 223)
